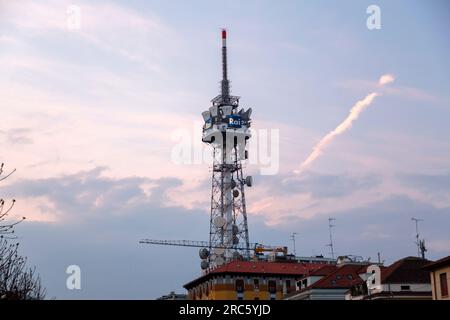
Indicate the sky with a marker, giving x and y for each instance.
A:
(93, 115)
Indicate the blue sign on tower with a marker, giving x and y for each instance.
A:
(234, 121)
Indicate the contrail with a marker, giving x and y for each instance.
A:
(345, 125)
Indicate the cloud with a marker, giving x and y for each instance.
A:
(386, 79)
(18, 136)
(427, 182)
(381, 226)
(79, 196)
(96, 222)
(102, 238)
(320, 185)
(112, 28)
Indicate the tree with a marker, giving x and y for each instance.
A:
(17, 281)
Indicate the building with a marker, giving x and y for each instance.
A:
(352, 280)
(249, 280)
(173, 296)
(440, 278)
(330, 282)
(405, 279)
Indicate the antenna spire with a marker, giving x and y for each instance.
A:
(293, 241)
(225, 85)
(421, 249)
(330, 225)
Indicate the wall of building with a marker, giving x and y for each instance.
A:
(436, 283)
(224, 288)
(321, 294)
(415, 287)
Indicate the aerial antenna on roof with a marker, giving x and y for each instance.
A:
(421, 249)
(292, 237)
(330, 226)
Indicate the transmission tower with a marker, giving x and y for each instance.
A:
(227, 130)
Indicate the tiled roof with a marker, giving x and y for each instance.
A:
(323, 271)
(406, 270)
(437, 264)
(343, 277)
(258, 268)
(267, 267)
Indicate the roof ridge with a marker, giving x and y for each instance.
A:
(327, 277)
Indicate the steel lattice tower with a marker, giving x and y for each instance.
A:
(226, 129)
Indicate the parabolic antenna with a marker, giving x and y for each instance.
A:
(219, 261)
(219, 222)
(203, 253)
(219, 251)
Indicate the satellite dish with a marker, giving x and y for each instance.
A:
(220, 261)
(247, 114)
(203, 253)
(204, 265)
(226, 110)
(219, 222)
(249, 181)
(206, 115)
(213, 111)
(237, 255)
(235, 193)
(219, 251)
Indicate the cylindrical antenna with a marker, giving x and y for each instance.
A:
(225, 83)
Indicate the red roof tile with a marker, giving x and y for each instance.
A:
(406, 270)
(323, 271)
(343, 277)
(258, 268)
(437, 264)
(267, 267)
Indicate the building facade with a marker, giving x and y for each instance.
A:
(440, 278)
(405, 279)
(329, 282)
(249, 280)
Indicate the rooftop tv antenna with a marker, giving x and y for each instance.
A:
(330, 226)
(292, 237)
(421, 249)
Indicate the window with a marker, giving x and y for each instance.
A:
(443, 281)
(288, 286)
(405, 288)
(305, 283)
(256, 284)
(240, 285)
(272, 286)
